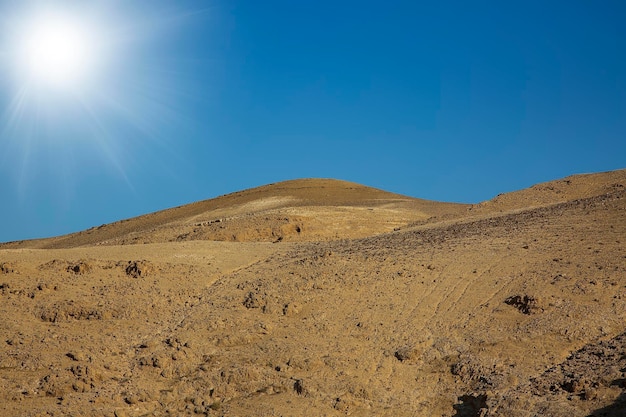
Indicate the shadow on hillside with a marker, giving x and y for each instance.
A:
(475, 406)
(617, 409)
(470, 405)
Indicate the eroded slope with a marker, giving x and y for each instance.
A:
(517, 313)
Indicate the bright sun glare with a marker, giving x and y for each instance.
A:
(84, 76)
(56, 51)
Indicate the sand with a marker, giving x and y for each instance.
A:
(326, 298)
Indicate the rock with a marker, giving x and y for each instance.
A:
(590, 394)
(138, 269)
(79, 268)
(7, 268)
(524, 303)
(78, 356)
(298, 387)
(291, 309)
(407, 353)
(254, 300)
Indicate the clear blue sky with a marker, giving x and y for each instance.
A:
(446, 100)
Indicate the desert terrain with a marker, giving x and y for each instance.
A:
(326, 298)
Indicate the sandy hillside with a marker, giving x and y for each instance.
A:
(327, 298)
(297, 210)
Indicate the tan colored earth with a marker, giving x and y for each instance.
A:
(326, 298)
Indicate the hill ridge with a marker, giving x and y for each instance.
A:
(299, 210)
(288, 196)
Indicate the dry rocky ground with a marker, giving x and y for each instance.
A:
(326, 298)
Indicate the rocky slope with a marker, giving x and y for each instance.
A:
(512, 307)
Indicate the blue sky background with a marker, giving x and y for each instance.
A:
(447, 100)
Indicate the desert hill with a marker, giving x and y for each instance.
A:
(553, 192)
(513, 307)
(300, 210)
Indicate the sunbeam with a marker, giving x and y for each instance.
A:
(82, 77)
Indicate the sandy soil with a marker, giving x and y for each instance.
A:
(326, 298)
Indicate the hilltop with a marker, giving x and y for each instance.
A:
(298, 210)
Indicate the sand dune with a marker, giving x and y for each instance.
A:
(326, 298)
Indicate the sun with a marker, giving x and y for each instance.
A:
(89, 76)
(56, 51)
